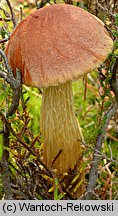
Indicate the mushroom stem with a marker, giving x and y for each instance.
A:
(60, 129)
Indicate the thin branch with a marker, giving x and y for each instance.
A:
(21, 14)
(87, 194)
(94, 168)
(15, 84)
(5, 20)
(107, 116)
(5, 174)
(4, 40)
(24, 144)
(98, 153)
(5, 77)
(105, 10)
(5, 12)
(114, 80)
(16, 88)
(12, 13)
(6, 63)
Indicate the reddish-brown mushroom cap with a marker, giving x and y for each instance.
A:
(57, 44)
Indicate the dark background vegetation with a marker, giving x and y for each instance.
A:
(22, 172)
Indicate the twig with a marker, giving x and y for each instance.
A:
(16, 88)
(93, 172)
(6, 63)
(56, 157)
(14, 82)
(92, 80)
(5, 167)
(21, 13)
(114, 79)
(105, 10)
(98, 153)
(12, 13)
(24, 144)
(33, 92)
(5, 77)
(107, 116)
(5, 12)
(4, 40)
(5, 172)
(88, 193)
(5, 20)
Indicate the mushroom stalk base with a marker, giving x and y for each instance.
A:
(60, 129)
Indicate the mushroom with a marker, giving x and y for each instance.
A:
(52, 47)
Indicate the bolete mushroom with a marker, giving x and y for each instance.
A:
(52, 47)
